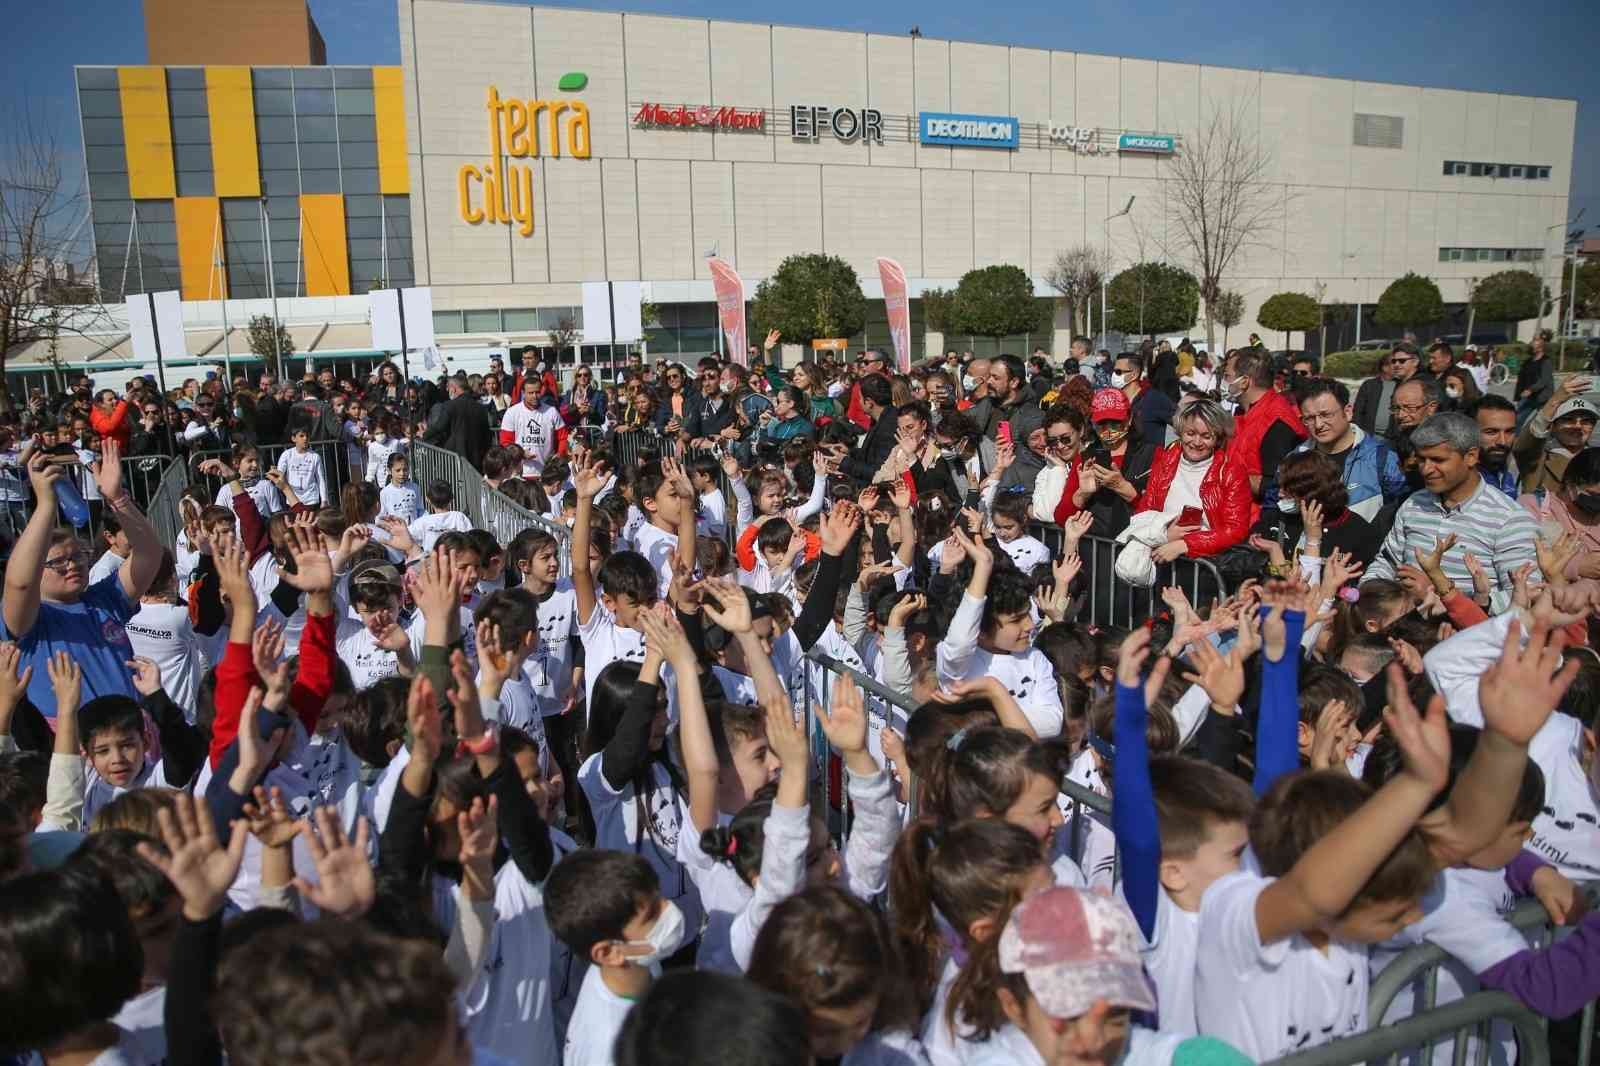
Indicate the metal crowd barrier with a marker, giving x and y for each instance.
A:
(487, 508)
(141, 476)
(1475, 1013)
(1417, 968)
(336, 464)
(1114, 602)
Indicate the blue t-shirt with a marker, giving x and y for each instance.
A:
(91, 631)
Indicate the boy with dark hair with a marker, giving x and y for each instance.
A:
(302, 469)
(441, 518)
(779, 546)
(533, 563)
(491, 561)
(606, 906)
(664, 494)
(513, 615)
(374, 645)
(455, 550)
(117, 550)
(705, 474)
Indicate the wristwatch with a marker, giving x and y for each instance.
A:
(489, 741)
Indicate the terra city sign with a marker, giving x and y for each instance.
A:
(520, 129)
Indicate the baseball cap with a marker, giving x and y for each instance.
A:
(375, 572)
(1578, 405)
(1076, 947)
(1108, 405)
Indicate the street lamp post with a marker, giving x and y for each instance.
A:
(272, 287)
(1104, 280)
(1548, 230)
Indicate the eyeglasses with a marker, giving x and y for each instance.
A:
(1056, 442)
(1407, 408)
(67, 562)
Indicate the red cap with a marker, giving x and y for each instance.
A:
(1109, 405)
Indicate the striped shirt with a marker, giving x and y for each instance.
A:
(1489, 525)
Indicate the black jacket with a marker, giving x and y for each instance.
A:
(699, 420)
(872, 451)
(272, 417)
(459, 426)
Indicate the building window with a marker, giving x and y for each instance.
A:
(1490, 255)
(1380, 131)
(1524, 171)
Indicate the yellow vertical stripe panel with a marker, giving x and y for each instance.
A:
(233, 131)
(147, 132)
(199, 251)
(322, 242)
(388, 94)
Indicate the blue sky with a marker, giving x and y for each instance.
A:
(1538, 50)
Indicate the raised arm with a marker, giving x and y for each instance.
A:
(1133, 806)
(686, 499)
(20, 605)
(588, 481)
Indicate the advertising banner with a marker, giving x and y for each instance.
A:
(898, 305)
(968, 131)
(730, 308)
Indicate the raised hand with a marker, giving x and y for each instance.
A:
(1183, 613)
(1074, 530)
(1407, 655)
(423, 721)
(1221, 676)
(13, 686)
(1065, 569)
(233, 570)
(1311, 519)
(109, 477)
(870, 574)
(494, 661)
(1519, 692)
(727, 605)
(399, 533)
(479, 826)
(66, 679)
(867, 498)
(439, 587)
(844, 719)
(269, 818)
(1481, 585)
(664, 632)
(588, 479)
(1329, 735)
(146, 675)
(787, 739)
(1270, 546)
(838, 528)
(253, 754)
(1337, 571)
(1555, 558)
(1431, 562)
(195, 861)
(772, 340)
(345, 885)
(905, 607)
(43, 471)
(313, 570)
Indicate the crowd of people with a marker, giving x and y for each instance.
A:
(340, 778)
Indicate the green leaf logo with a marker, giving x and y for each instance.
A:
(573, 82)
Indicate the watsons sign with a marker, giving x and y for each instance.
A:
(968, 131)
(502, 190)
(1159, 143)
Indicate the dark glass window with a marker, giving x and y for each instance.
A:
(313, 78)
(355, 101)
(318, 156)
(319, 181)
(112, 160)
(274, 102)
(364, 248)
(274, 129)
(363, 206)
(186, 78)
(352, 77)
(280, 182)
(98, 78)
(186, 102)
(102, 131)
(195, 157)
(195, 130)
(360, 180)
(359, 228)
(108, 186)
(196, 183)
(358, 128)
(112, 211)
(99, 104)
(313, 101)
(271, 77)
(317, 128)
(360, 154)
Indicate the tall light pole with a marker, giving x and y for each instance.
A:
(1548, 230)
(272, 287)
(1104, 279)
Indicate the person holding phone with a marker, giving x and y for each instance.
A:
(1199, 486)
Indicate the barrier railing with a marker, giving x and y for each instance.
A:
(1417, 969)
(486, 507)
(1114, 602)
(337, 466)
(809, 691)
(164, 509)
(1475, 1013)
(141, 474)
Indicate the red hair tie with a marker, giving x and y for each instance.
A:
(733, 845)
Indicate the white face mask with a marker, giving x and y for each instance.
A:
(1454, 394)
(727, 388)
(664, 938)
(968, 382)
(1119, 380)
(1288, 505)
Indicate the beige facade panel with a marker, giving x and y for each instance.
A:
(946, 223)
(778, 210)
(449, 95)
(1000, 227)
(891, 88)
(713, 206)
(667, 249)
(873, 211)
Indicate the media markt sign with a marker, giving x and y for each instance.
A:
(1156, 143)
(968, 131)
(682, 116)
(501, 190)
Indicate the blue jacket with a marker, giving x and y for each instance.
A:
(1372, 475)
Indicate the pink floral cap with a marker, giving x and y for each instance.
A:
(1076, 947)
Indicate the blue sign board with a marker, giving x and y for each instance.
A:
(1160, 143)
(968, 131)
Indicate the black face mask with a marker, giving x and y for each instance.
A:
(1588, 503)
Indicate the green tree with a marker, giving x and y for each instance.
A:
(1507, 296)
(1150, 298)
(1409, 302)
(1286, 312)
(936, 309)
(995, 301)
(260, 334)
(1227, 311)
(1588, 289)
(810, 297)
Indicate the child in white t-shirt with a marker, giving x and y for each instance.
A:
(441, 518)
(704, 474)
(302, 469)
(606, 906)
(383, 443)
(400, 496)
(665, 496)
(1010, 515)
(161, 632)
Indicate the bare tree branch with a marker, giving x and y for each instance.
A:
(1221, 198)
(1077, 274)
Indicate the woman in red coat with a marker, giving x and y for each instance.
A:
(1198, 486)
(109, 418)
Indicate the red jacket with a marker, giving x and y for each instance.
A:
(115, 425)
(1224, 496)
(1250, 428)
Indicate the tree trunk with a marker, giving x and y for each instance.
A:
(1211, 335)
(1472, 314)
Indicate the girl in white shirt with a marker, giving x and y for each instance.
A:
(302, 469)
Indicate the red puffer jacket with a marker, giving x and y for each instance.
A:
(1224, 496)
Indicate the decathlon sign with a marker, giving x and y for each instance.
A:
(682, 116)
(968, 131)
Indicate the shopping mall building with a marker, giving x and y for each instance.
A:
(517, 152)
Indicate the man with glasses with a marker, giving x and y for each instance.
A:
(872, 362)
(149, 435)
(1415, 401)
(49, 605)
(708, 412)
(1371, 468)
(1376, 394)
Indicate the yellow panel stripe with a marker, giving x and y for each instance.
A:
(199, 248)
(394, 177)
(147, 132)
(233, 131)
(322, 235)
